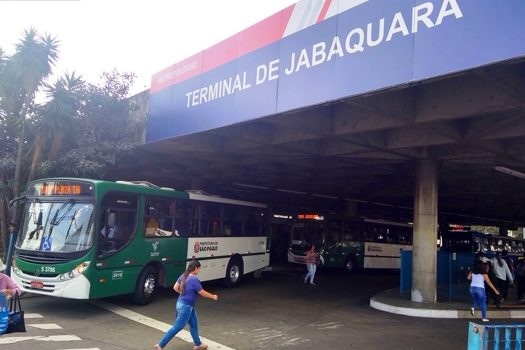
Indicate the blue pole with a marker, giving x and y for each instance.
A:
(10, 248)
(13, 232)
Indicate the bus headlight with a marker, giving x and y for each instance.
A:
(15, 270)
(77, 271)
(82, 267)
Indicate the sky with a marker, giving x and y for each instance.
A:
(139, 36)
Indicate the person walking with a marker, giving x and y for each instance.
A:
(478, 277)
(520, 277)
(502, 274)
(189, 287)
(311, 264)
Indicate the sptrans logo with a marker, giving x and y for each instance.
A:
(212, 246)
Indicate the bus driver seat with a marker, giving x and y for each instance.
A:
(110, 232)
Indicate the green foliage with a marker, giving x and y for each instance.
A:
(79, 130)
(99, 130)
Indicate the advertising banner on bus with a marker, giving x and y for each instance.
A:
(320, 51)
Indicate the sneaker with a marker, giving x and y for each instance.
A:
(157, 347)
(200, 347)
(472, 311)
(485, 319)
(312, 283)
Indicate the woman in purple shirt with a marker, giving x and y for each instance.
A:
(189, 287)
(7, 286)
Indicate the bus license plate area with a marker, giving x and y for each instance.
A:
(37, 285)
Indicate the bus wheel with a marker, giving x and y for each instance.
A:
(350, 265)
(146, 286)
(234, 273)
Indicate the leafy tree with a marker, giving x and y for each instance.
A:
(56, 120)
(21, 76)
(102, 129)
(79, 130)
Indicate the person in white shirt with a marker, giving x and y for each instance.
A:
(502, 274)
(478, 277)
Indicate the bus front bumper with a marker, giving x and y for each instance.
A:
(76, 288)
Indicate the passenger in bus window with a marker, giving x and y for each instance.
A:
(154, 228)
(151, 226)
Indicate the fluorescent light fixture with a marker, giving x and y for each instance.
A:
(323, 196)
(510, 172)
(291, 191)
(250, 186)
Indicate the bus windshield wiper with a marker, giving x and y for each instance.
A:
(58, 219)
(37, 221)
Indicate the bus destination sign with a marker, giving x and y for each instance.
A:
(60, 188)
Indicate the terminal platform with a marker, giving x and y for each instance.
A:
(393, 301)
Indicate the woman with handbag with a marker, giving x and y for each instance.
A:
(11, 317)
(8, 287)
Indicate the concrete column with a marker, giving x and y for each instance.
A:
(424, 270)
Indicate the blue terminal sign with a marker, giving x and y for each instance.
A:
(347, 48)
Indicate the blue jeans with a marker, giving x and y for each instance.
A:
(479, 298)
(185, 315)
(311, 272)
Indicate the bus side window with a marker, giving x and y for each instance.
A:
(157, 217)
(253, 223)
(392, 235)
(212, 219)
(118, 222)
(368, 232)
(404, 235)
(183, 217)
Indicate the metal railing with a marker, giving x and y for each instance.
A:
(495, 336)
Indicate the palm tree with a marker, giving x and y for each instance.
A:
(21, 77)
(57, 118)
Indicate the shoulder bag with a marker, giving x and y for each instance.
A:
(16, 316)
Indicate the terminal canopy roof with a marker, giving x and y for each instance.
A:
(332, 106)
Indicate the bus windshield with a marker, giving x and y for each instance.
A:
(58, 227)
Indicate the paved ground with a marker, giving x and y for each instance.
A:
(280, 311)
(277, 311)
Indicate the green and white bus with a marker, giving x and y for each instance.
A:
(350, 243)
(86, 239)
